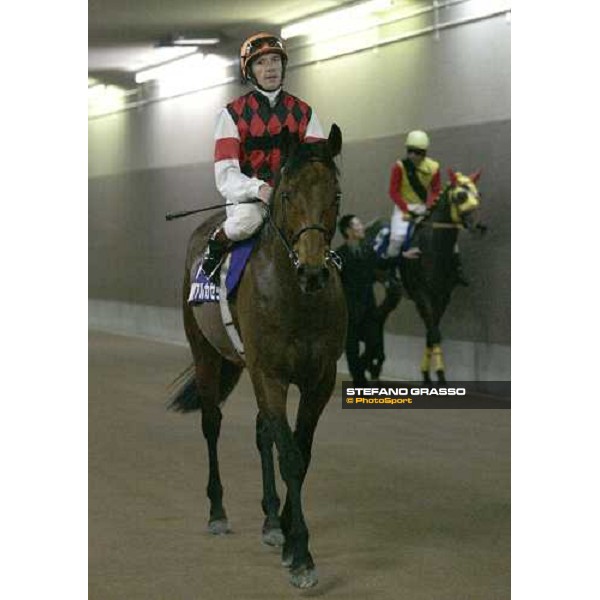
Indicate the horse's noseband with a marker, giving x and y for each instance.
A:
(331, 257)
(317, 227)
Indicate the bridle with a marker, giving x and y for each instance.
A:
(331, 257)
(456, 222)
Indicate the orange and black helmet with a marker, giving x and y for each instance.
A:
(257, 45)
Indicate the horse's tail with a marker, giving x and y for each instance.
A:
(184, 396)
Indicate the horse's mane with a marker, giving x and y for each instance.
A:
(441, 201)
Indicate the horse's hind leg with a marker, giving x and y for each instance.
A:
(214, 380)
(271, 531)
(207, 378)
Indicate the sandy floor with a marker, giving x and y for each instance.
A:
(408, 505)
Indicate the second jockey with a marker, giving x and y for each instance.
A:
(415, 185)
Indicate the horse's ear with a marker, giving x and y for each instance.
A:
(335, 140)
(474, 177)
(453, 178)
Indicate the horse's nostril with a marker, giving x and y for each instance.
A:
(312, 279)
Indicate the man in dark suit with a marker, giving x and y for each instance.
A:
(359, 262)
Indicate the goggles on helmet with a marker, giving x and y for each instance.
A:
(252, 46)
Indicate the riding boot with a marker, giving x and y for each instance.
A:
(218, 244)
(461, 279)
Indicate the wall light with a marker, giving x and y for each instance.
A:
(345, 20)
(186, 74)
(158, 56)
(187, 40)
(104, 99)
(181, 41)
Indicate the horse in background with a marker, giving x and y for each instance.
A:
(290, 312)
(428, 264)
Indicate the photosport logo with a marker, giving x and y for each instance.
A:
(415, 394)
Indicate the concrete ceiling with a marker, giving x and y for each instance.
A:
(123, 32)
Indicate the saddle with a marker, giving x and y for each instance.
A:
(203, 290)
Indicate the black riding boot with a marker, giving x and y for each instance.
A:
(393, 280)
(214, 253)
(458, 271)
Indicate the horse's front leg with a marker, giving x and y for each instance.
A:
(426, 364)
(439, 366)
(271, 530)
(314, 397)
(427, 313)
(436, 337)
(271, 396)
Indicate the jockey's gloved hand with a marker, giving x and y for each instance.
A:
(264, 193)
(417, 210)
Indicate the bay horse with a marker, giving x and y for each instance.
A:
(428, 267)
(290, 313)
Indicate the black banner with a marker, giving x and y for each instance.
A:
(416, 394)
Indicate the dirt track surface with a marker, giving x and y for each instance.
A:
(408, 505)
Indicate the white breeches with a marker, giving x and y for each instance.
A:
(398, 229)
(243, 220)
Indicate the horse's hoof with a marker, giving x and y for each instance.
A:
(305, 577)
(218, 527)
(273, 537)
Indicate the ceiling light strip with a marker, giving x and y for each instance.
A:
(329, 19)
(385, 42)
(403, 37)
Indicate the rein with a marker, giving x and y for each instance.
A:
(444, 225)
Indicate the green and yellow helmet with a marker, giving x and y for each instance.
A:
(417, 139)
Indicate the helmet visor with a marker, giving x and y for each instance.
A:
(417, 151)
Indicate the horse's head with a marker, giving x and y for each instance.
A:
(463, 198)
(305, 206)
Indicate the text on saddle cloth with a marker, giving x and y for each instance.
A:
(202, 290)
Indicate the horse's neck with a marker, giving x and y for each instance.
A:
(441, 211)
(271, 246)
(433, 239)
